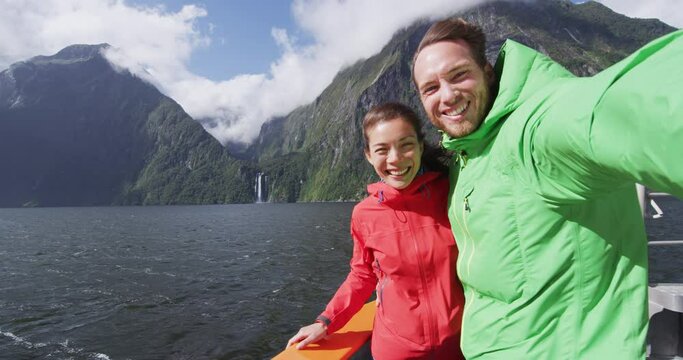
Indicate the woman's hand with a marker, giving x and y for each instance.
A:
(307, 335)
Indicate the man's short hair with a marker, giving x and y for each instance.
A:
(451, 30)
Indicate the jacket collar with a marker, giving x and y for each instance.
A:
(385, 194)
(521, 72)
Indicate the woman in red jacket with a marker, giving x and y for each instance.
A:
(403, 248)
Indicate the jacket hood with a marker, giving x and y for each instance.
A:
(385, 194)
(521, 71)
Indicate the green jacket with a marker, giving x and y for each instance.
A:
(553, 252)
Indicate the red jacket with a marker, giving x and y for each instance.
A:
(404, 249)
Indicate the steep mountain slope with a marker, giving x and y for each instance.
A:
(73, 131)
(315, 152)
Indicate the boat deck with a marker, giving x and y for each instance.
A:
(665, 334)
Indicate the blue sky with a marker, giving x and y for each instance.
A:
(235, 64)
(241, 33)
(241, 40)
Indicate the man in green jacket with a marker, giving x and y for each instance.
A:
(553, 252)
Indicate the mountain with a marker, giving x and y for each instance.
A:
(74, 131)
(315, 152)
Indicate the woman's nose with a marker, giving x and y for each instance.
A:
(394, 156)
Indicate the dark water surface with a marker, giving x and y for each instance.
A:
(181, 282)
(666, 262)
(187, 282)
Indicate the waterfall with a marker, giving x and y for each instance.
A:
(261, 188)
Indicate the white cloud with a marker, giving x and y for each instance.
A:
(342, 31)
(669, 11)
(156, 44)
(154, 37)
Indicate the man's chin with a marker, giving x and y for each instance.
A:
(459, 132)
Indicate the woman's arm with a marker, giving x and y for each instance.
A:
(349, 298)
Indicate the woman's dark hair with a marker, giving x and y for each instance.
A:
(434, 159)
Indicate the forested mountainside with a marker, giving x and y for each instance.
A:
(75, 131)
(315, 152)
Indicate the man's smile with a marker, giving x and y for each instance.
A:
(457, 111)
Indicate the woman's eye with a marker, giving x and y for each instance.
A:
(381, 151)
(407, 146)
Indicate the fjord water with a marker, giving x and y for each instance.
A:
(175, 282)
(186, 282)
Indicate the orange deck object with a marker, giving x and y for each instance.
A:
(340, 345)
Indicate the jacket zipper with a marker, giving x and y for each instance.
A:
(430, 318)
(383, 281)
(462, 157)
(466, 209)
(466, 232)
(462, 160)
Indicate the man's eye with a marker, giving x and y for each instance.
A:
(458, 75)
(407, 146)
(428, 90)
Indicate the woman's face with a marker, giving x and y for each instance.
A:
(394, 151)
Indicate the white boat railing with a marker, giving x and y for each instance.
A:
(665, 242)
(665, 333)
(646, 197)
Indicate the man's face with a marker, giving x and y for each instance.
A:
(453, 88)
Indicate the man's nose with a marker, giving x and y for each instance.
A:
(448, 94)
